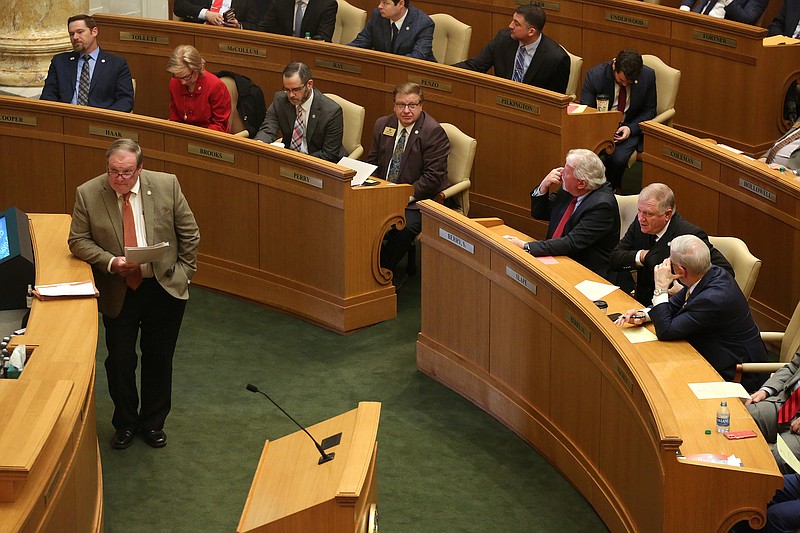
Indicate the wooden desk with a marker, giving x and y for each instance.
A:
(278, 227)
(50, 474)
(522, 132)
(513, 336)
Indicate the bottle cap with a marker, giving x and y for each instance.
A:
(708, 432)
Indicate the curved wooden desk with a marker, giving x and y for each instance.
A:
(278, 227)
(50, 473)
(513, 335)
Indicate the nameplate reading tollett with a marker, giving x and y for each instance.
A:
(243, 50)
(22, 120)
(292, 174)
(337, 65)
(104, 131)
(211, 153)
(143, 37)
(458, 241)
(713, 38)
(683, 158)
(522, 280)
(432, 84)
(627, 19)
(516, 104)
(759, 190)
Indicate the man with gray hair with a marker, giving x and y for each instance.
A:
(583, 213)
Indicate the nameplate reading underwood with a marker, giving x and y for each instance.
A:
(627, 19)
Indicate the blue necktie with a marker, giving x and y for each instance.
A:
(519, 65)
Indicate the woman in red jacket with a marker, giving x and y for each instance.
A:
(196, 96)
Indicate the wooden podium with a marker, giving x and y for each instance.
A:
(291, 492)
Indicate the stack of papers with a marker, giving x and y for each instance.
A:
(77, 289)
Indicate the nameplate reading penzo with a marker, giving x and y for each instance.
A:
(211, 153)
(431, 84)
(458, 241)
(104, 131)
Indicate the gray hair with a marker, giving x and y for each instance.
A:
(185, 56)
(662, 194)
(691, 253)
(587, 167)
(125, 145)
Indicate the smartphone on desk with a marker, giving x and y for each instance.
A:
(744, 434)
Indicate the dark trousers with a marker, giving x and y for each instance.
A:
(158, 316)
(617, 162)
(398, 241)
(783, 512)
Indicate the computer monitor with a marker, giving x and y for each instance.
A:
(16, 259)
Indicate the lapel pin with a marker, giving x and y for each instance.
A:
(102, 60)
(149, 193)
(416, 132)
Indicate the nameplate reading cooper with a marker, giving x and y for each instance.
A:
(522, 280)
(143, 38)
(18, 119)
(516, 104)
(458, 241)
(550, 6)
(627, 19)
(623, 376)
(432, 84)
(759, 190)
(103, 131)
(578, 325)
(211, 153)
(302, 178)
(713, 38)
(683, 158)
(336, 65)
(243, 50)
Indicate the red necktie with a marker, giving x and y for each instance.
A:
(568, 213)
(134, 279)
(789, 409)
(622, 99)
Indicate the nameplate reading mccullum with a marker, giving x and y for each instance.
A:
(143, 38)
(683, 158)
(713, 38)
(243, 50)
(759, 190)
(516, 104)
(522, 280)
(578, 325)
(103, 131)
(623, 376)
(336, 65)
(292, 174)
(550, 6)
(627, 19)
(18, 119)
(211, 153)
(458, 241)
(431, 84)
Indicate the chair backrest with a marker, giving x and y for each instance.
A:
(791, 338)
(745, 265)
(451, 39)
(350, 20)
(627, 211)
(235, 122)
(575, 65)
(459, 163)
(353, 125)
(668, 80)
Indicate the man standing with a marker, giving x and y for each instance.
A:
(309, 121)
(88, 75)
(399, 28)
(523, 53)
(242, 14)
(583, 213)
(317, 18)
(631, 89)
(409, 147)
(745, 11)
(129, 206)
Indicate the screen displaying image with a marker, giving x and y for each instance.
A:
(4, 251)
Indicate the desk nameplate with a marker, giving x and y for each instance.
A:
(211, 153)
(517, 104)
(22, 120)
(714, 38)
(686, 159)
(627, 19)
(143, 37)
(292, 174)
(579, 326)
(458, 241)
(105, 131)
(242, 50)
(522, 280)
(550, 6)
(431, 84)
(758, 190)
(338, 65)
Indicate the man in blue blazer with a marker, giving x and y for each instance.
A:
(319, 19)
(110, 86)
(787, 19)
(745, 11)
(398, 28)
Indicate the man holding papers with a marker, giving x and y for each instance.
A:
(130, 207)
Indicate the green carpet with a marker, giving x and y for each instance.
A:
(443, 464)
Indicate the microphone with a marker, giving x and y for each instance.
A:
(325, 456)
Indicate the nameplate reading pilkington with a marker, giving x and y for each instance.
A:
(516, 104)
(713, 38)
(759, 190)
(578, 325)
(18, 119)
(336, 65)
(433, 84)
(103, 131)
(143, 38)
(683, 158)
(243, 50)
(292, 174)
(211, 153)
(522, 280)
(550, 6)
(627, 19)
(458, 241)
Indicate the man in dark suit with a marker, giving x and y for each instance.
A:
(409, 147)
(630, 87)
(646, 243)
(399, 28)
(317, 18)
(787, 21)
(129, 206)
(105, 81)
(583, 213)
(523, 53)
(242, 14)
(309, 121)
(745, 11)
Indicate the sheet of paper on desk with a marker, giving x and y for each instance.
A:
(77, 288)
(548, 260)
(146, 254)
(639, 334)
(718, 389)
(594, 290)
(363, 170)
(787, 454)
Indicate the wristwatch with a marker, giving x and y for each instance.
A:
(527, 247)
(658, 292)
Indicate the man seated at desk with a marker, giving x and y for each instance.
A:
(787, 21)
(583, 213)
(785, 153)
(523, 53)
(399, 28)
(309, 121)
(745, 11)
(242, 14)
(315, 18)
(710, 312)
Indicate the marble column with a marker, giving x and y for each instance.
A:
(31, 33)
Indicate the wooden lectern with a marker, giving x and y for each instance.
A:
(291, 492)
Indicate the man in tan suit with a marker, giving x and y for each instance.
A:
(129, 206)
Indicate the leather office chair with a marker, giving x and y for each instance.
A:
(451, 39)
(575, 65)
(353, 125)
(350, 20)
(745, 265)
(789, 342)
(235, 122)
(628, 210)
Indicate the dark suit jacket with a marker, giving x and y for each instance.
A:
(111, 86)
(319, 19)
(424, 162)
(745, 11)
(96, 235)
(324, 127)
(591, 232)
(414, 40)
(248, 12)
(549, 68)
(785, 22)
(717, 322)
(624, 255)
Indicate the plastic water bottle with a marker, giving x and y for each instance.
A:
(723, 418)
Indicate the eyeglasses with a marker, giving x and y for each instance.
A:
(184, 78)
(295, 90)
(123, 175)
(411, 107)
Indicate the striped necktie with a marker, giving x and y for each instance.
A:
(83, 87)
(519, 65)
(298, 131)
(789, 138)
(397, 156)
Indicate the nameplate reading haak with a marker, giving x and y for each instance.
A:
(18, 119)
(292, 174)
(759, 190)
(431, 84)
(243, 50)
(211, 153)
(143, 38)
(104, 131)
(337, 65)
(522, 280)
(627, 19)
(458, 241)
(683, 158)
(516, 104)
(713, 38)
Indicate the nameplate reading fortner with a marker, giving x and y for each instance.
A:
(211, 153)
(18, 119)
(292, 174)
(522, 280)
(458, 241)
(516, 104)
(143, 38)
(103, 131)
(713, 38)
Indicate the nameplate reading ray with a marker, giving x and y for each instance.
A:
(759, 190)
(516, 104)
(103, 131)
(458, 241)
(522, 280)
(143, 38)
(627, 19)
(683, 158)
(713, 38)
(578, 325)
(18, 119)
(550, 6)
(292, 174)
(336, 65)
(243, 50)
(211, 153)
(431, 84)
